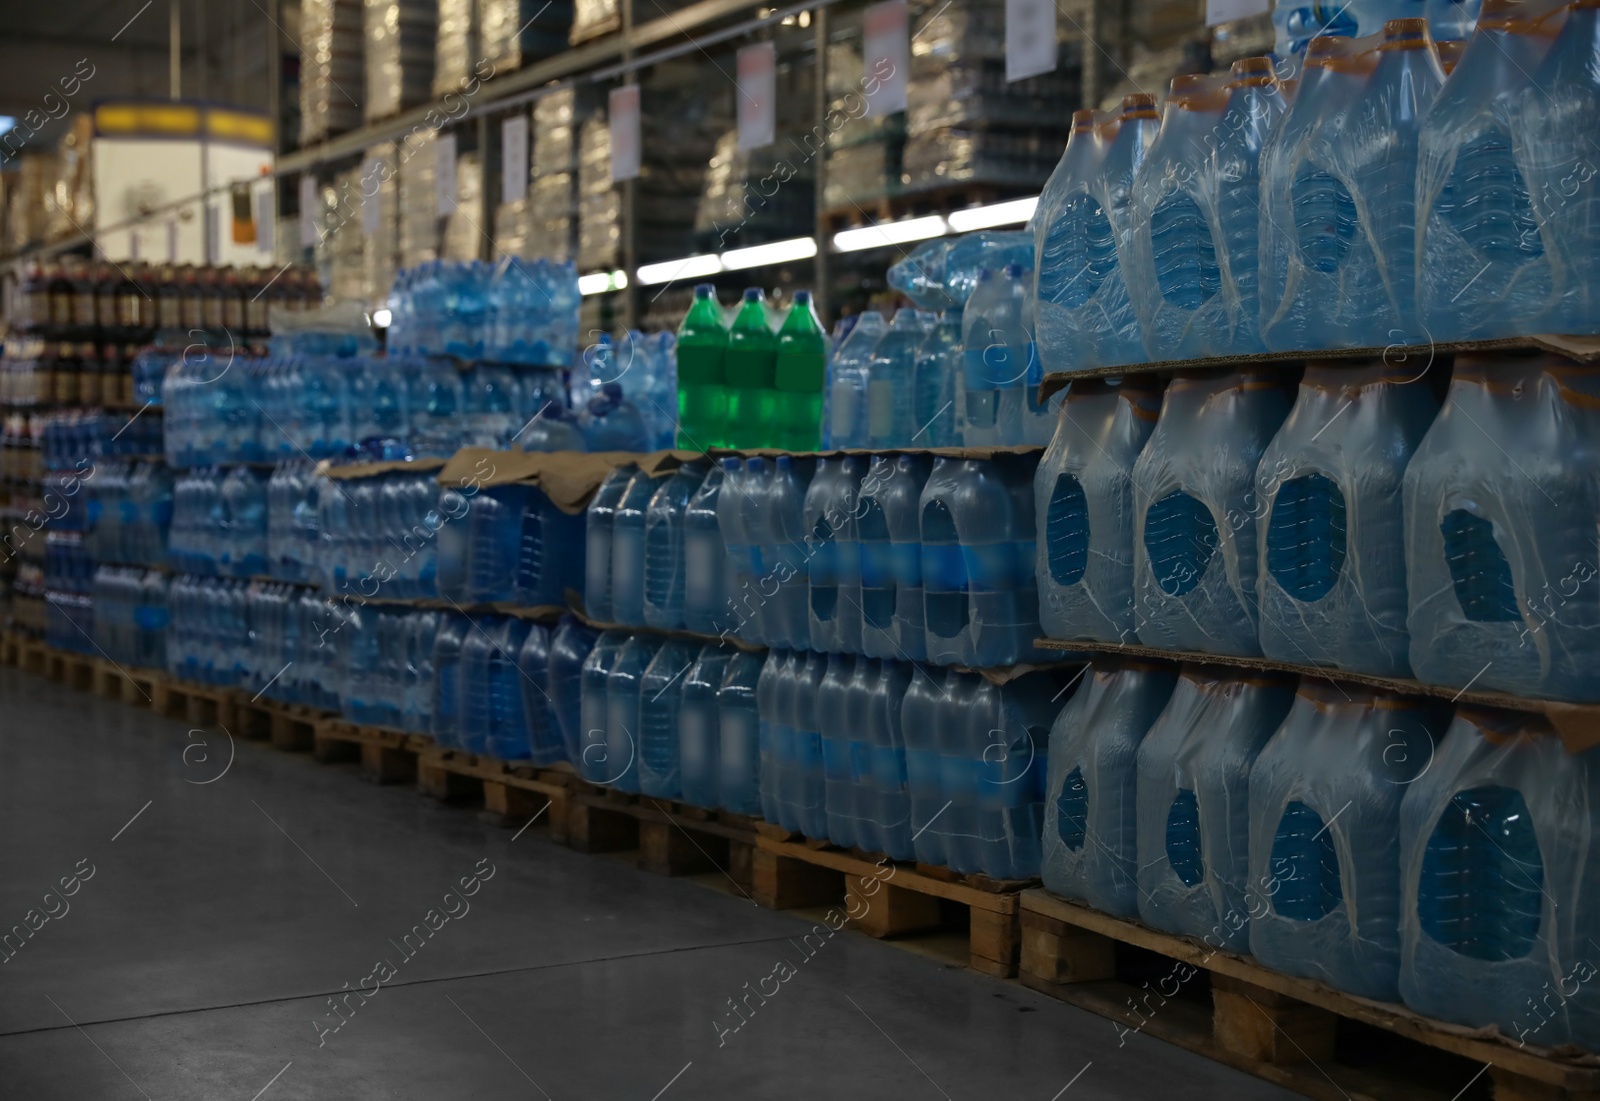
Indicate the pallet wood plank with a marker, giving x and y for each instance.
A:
(885, 910)
(903, 876)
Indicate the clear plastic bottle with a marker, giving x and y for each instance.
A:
(599, 525)
(890, 381)
(594, 760)
(850, 371)
(997, 339)
(1325, 796)
(1256, 101)
(889, 534)
(660, 704)
(447, 696)
(1073, 242)
(570, 646)
(938, 366)
(1090, 849)
(706, 589)
(739, 741)
(1501, 512)
(834, 555)
(783, 553)
(628, 548)
(1331, 590)
(1194, 556)
(545, 743)
(835, 722)
(1083, 491)
(665, 542)
(1193, 796)
(699, 727)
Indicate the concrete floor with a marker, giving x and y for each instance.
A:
(199, 958)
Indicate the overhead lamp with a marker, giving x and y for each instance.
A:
(602, 281)
(994, 214)
(690, 267)
(890, 233)
(778, 252)
(381, 318)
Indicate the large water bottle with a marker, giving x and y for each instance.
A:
(599, 531)
(1106, 319)
(593, 758)
(570, 645)
(447, 647)
(1555, 118)
(1494, 865)
(1501, 514)
(436, 403)
(980, 596)
(776, 746)
(741, 522)
(1090, 848)
(546, 567)
(997, 340)
(888, 532)
(706, 590)
(1255, 104)
(665, 544)
(807, 799)
(624, 718)
(891, 376)
(1007, 752)
(937, 370)
(851, 372)
(660, 703)
(546, 744)
(834, 566)
(1195, 513)
(1332, 591)
(739, 735)
(878, 756)
(1083, 490)
(702, 385)
(244, 535)
(844, 815)
(1484, 268)
(927, 698)
(1173, 270)
(699, 732)
(1074, 245)
(1325, 797)
(1193, 794)
(628, 548)
(783, 553)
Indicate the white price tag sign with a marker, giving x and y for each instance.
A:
(308, 210)
(370, 183)
(444, 175)
(514, 159)
(1226, 11)
(625, 152)
(1030, 38)
(758, 89)
(886, 51)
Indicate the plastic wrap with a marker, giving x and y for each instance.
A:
(699, 727)
(1083, 490)
(660, 705)
(400, 48)
(1324, 890)
(1191, 254)
(463, 229)
(1332, 589)
(1193, 794)
(552, 217)
(456, 49)
(599, 202)
(592, 18)
(513, 33)
(511, 229)
(331, 82)
(1497, 864)
(344, 252)
(419, 218)
(1194, 552)
(1501, 511)
(1085, 317)
(1553, 127)
(1485, 260)
(1090, 849)
(1339, 198)
(380, 245)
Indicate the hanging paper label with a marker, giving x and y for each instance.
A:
(444, 175)
(625, 133)
(514, 159)
(886, 52)
(1030, 38)
(758, 85)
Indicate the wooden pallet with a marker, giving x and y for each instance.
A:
(1298, 1033)
(73, 670)
(203, 705)
(132, 685)
(671, 837)
(387, 756)
(31, 655)
(288, 726)
(10, 643)
(886, 899)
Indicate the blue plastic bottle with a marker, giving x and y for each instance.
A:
(705, 560)
(1325, 797)
(888, 531)
(1332, 591)
(891, 375)
(850, 373)
(834, 566)
(783, 553)
(878, 756)
(739, 730)
(807, 789)
(593, 759)
(843, 815)
(776, 738)
(937, 370)
(700, 728)
(600, 525)
(921, 709)
(628, 549)
(546, 744)
(1090, 849)
(447, 646)
(660, 701)
(624, 718)
(1501, 563)
(1083, 499)
(1196, 511)
(570, 646)
(998, 345)
(1193, 795)
(665, 538)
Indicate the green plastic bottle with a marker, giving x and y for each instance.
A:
(801, 375)
(702, 385)
(749, 368)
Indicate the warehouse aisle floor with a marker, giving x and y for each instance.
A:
(216, 908)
